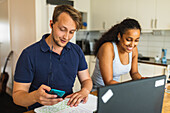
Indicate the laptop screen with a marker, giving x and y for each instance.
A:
(140, 96)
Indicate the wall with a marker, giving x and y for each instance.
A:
(5, 45)
(21, 14)
(151, 44)
(42, 22)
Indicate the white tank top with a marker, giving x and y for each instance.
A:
(118, 69)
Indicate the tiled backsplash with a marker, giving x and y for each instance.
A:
(91, 36)
(150, 44)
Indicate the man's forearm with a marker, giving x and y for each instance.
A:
(87, 85)
(23, 98)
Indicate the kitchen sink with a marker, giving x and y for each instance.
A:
(144, 58)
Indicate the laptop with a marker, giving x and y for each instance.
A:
(140, 96)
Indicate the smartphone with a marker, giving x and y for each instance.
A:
(60, 93)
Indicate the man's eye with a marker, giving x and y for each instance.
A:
(71, 32)
(62, 29)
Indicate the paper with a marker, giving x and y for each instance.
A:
(62, 107)
(107, 95)
(159, 83)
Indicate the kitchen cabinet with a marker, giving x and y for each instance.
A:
(104, 14)
(157, 14)
(87, 57)
(145, 13)
(91, 61)
(92, 64)
(146, 70)
(151, 14)
(84, 6)
(162, 14)
(126, 9)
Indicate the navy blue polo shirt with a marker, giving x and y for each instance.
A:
(38, 65)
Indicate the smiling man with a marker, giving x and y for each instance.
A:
(53, 63)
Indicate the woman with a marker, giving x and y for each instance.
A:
(117, 54)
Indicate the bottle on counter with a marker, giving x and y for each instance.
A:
(164, 60)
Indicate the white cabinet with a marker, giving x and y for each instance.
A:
(104, 13)
(127, 9)
(92, 64)
(150, 70)
(146, 70)
(162, 14)
(87, 57)
(145, 13)
(125, 77)
(151, 14)
(154, 14)
(84, 6)
(91, 61)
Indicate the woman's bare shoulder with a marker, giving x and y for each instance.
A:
(106, 49)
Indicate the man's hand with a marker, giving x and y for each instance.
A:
(44, 98)
(77, 97)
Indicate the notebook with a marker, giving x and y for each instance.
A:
(140, 96)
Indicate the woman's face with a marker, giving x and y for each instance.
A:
(129, 40)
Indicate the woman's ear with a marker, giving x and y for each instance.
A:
(118, 36)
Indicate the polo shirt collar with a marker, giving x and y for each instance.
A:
(45, 47)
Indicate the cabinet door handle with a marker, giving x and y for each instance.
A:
(155, 23)
(152, 23)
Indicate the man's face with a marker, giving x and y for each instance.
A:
(130, 40)
(63, 30)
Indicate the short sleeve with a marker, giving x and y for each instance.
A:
(24, 69)
(82, 62)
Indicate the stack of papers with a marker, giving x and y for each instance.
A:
(89, 107)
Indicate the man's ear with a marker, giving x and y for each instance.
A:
(52, 25)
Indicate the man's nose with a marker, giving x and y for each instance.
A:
(66, 35)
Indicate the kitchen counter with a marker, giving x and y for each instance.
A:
(151, 60)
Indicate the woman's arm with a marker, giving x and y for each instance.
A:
(134, 68)
(106, 56)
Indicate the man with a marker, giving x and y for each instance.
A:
(53, 62)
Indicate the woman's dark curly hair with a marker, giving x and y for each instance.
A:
(112, 33)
